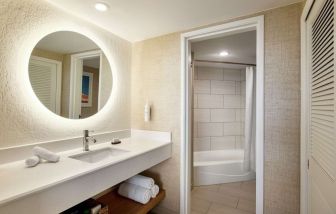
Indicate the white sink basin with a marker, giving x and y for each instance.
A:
(98, 155)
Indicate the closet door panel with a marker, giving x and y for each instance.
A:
(320, 27)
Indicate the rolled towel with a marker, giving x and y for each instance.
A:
(155, 190)
(134, 192)
(46, 154)
(32, 161)
(96, 209)
(142, 181)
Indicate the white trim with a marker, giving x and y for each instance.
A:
(100, 81)
(58, 80)
(260, 104)
(304, 119)
(256, 23)
(75, 85)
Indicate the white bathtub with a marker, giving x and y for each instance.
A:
(217, 167)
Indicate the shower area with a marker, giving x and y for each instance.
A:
(224, 109)
(224, 146)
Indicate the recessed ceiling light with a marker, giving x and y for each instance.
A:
(100, 6)
(223, 53)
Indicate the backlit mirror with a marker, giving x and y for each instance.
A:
(70, 75)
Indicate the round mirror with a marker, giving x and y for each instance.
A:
(70, 75)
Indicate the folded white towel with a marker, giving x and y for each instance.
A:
(134, 192)
(46, 154)
(154, 191)
(32, 161)
(142, 181)
(96, 209)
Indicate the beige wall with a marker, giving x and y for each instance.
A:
(65, 93)
(24, 119)
(156, 77)
(47, 54)
(282, 110)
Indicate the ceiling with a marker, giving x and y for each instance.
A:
(143, 19)
(241, 48)
(92, 62)
(65, 42)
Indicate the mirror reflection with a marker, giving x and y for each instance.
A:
(70, 75)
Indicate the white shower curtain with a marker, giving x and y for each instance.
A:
(249, 146)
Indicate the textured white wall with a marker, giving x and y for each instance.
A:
(24, 119)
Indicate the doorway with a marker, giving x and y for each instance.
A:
(188, 75)
(85, 88)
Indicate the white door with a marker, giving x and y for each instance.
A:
(45, 78)
(322, 134)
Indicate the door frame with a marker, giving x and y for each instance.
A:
(254, 23)
(76, 75)
(305, 111)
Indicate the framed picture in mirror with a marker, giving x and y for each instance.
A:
(87, 81)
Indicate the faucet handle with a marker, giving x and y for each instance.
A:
(86, 132)
(91, 138)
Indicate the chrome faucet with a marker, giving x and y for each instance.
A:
(87, 139)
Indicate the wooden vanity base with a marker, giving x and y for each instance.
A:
(118, 204)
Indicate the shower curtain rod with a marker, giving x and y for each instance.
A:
(223, 62)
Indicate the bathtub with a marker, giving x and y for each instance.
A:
(217, 167)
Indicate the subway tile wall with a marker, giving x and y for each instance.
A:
(219, 108)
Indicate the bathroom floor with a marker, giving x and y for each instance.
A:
(230, 198)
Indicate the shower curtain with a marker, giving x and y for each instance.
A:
(250, 110)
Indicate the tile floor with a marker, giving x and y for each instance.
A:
(230, 198)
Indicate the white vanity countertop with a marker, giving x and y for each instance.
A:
(17, 181)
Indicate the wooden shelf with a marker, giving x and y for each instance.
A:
(121, 205)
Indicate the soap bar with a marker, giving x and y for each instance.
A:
(116, 141)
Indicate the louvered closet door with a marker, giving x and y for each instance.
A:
(322, 141)
(43, 78)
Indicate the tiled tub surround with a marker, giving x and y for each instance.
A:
(54, 187)
(219, 108)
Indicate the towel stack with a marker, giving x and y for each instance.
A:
(139, 188)
(41, 153)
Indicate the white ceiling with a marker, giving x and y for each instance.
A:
(241, 48)
(92, 62)
(136, 20)
(65, 42)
